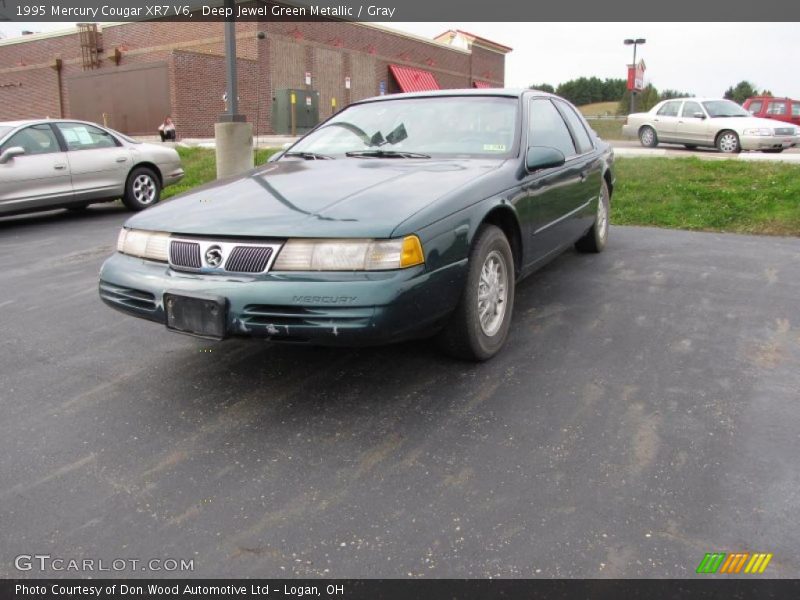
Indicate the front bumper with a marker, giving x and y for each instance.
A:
(335, 309)
(768, 142)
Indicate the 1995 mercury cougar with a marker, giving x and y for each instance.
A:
(400, 217)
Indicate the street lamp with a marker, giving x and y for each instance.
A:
(634, 42)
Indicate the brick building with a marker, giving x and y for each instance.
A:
(132, 74)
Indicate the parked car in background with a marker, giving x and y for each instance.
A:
(709, 122)
(55, 163)
(402, 216)
(780, 109)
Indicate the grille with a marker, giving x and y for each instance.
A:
(185, 254)
(784, 131)
(127, 297)
(248, 259)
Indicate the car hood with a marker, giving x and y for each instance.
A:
(349, 197)
(739, 124)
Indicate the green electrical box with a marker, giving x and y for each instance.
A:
(300, 106)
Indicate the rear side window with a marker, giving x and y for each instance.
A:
(670, 109)
(582, 139)
(547, 128)
(755, 107)
(775, 107)
(796, 109)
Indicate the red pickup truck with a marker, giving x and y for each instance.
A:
(781, 109)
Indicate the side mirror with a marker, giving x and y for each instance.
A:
(10, 153)
(544, 157)
(699, 115)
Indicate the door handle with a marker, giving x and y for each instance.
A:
(584, 175)
(121, 159)
(59, 167)
(656, 120)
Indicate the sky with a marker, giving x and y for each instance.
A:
(699, 58)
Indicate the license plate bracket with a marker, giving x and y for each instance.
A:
(200, 315)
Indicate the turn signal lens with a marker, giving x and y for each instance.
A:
(412, 252)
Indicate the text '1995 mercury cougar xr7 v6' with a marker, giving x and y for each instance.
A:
(403, 216)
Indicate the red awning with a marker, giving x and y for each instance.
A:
(413, 80)
(481, 84)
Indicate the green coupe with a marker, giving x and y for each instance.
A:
(402, 216)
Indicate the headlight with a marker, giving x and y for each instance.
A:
(349, 255)
(152, 245)
(757, 132)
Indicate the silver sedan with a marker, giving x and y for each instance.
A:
(55, 163)
(709, 122)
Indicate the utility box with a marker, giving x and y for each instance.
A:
(295, 111)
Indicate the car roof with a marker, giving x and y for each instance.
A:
(498, 92)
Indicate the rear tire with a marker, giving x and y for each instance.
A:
(143, 189)
(773, 150)
(596, 238)
(648, 137)
(479, 326)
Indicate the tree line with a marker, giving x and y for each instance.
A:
(588, 90)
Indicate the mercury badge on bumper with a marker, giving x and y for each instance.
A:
(403, 216)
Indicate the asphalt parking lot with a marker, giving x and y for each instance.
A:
(644, 412)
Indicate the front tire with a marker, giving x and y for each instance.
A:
(142, 189)
(648, 137)
(479, 326)
(728, 142)
(596, 238)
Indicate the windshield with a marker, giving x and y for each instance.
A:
(724, 108)
(416, 128)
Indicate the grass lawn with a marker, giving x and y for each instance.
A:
(599, 108)
(608, 129)
(200, 166)
(708, 195)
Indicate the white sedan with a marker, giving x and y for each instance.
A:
(709, 122)
(61, 163)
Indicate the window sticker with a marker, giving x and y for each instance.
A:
(494, 147)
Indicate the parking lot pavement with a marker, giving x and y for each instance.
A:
(643, 413)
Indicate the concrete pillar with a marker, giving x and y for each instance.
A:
(234, 141)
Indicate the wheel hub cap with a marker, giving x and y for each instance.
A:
(492, 293)
(144, 189)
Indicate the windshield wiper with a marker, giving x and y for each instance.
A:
(310, 155)
(385, 154)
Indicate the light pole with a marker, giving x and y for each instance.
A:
(634, 42)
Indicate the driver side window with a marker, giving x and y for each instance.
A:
(36, 139)
(547, 128)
